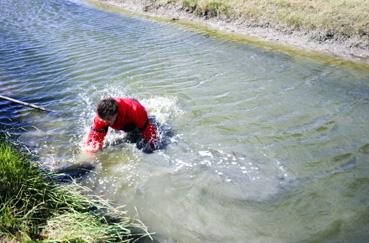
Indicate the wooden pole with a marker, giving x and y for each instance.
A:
(24, 103)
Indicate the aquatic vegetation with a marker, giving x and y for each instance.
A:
(33, 206)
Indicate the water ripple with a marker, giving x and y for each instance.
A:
(248, 124)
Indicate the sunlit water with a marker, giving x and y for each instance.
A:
(266, 147)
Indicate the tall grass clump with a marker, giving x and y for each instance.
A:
(33, 206)
(208, 9)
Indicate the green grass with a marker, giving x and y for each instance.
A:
(323, 20)
(33, 206)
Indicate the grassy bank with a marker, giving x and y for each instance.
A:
(33, 206)
(322, 20)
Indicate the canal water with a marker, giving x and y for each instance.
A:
(267, 147)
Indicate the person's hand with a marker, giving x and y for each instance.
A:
(147, 147)
(91, 148)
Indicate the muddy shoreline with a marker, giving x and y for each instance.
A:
(283, 39)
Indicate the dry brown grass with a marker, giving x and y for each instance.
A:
(329, 19)
(333, 17)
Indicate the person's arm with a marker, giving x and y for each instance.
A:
(148, 130)
(150, 138)
(96, 136)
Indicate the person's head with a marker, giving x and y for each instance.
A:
(107, 109)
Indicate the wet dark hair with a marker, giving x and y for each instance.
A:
(106, 107)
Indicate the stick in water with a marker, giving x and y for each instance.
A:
(24, 103)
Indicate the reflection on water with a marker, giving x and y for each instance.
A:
(266, 147)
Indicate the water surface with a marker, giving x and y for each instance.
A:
(267, 147)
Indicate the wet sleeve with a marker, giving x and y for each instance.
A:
(148, 130)
(150, 141)
(97, 134)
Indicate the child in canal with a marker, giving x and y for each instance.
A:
(125, 114)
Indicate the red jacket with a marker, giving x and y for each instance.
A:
(131, 115)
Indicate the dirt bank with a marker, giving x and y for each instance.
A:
(283, 38)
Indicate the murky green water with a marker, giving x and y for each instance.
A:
(267, 147)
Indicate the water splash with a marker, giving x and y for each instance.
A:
(163, 108)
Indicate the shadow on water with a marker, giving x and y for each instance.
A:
(11, 124)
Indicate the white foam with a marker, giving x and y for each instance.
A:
(205, 153)
(163, 108)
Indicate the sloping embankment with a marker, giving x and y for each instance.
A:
(34, 207)
(338, 28)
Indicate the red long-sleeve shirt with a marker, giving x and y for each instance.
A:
(131, 115)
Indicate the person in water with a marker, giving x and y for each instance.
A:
(125, 114)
